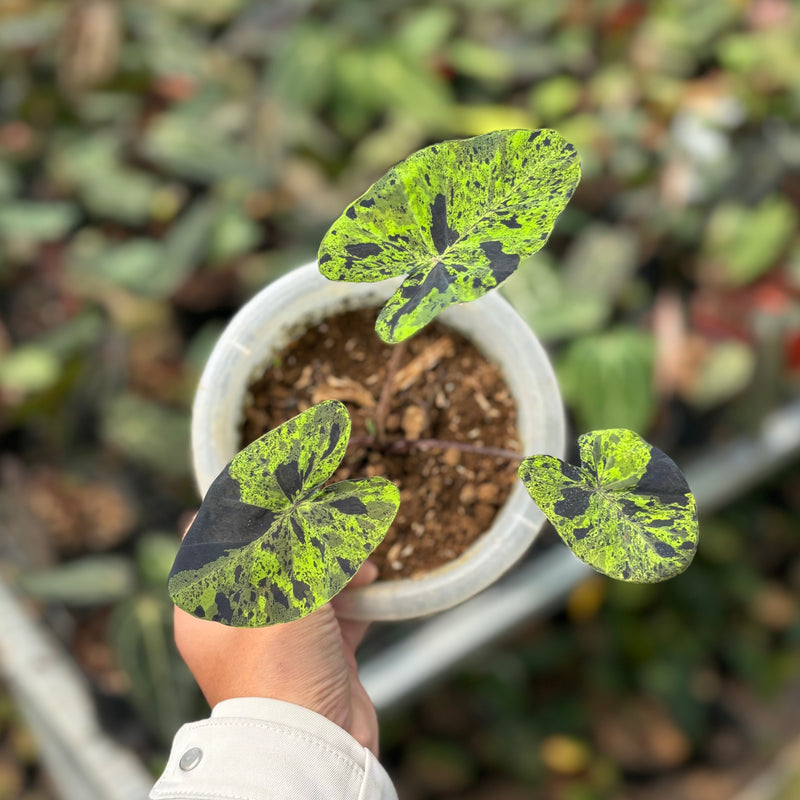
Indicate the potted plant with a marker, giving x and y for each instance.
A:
(272, 542)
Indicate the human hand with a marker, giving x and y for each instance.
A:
(310, 662)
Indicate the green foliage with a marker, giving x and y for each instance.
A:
(741, 243)
(455, 219)
(271, 543)
(148, 433)
(607, 379)
(576, 294)
(728, 370)
(627, 510)
(107, 186)
(40, 221)
(90, 580)
(303, 103)
(30, 368)
(162, 689)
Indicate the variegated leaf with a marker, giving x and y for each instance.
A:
(627, 510)
(270, 544)
(455, 219)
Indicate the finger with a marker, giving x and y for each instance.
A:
(367, 573)
(185, 522)
(353, 632)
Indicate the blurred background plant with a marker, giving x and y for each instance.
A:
(161, 160)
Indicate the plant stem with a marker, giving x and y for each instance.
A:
(438, 444)
(382, 410)
(403, 445)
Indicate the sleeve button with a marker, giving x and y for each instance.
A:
(190, 759)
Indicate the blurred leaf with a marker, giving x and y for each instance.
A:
(202, 344)
(150, 434)
(564, 755)
(134, 265)
(538, 292)
(209, 11)
(234, 234)
(38, 365)
(37, 27)
(600, 261)
(480, 61)
(768, 56)
(425, 30)
(302, 71)
(107, 186)
(75, 335)
(726, 370)
(614, 85)
(91, 580)
(161, 687)
(42, 221)
(145, 266)
(155, 553)
(397, 83)
(607, 380)
(742, 243)
(555, 97)
(642, 736)
(187, 244)
(473, 120)
(166, 45)
(29, 368)
(107, 106)
(586, 132)
(199, 143)
(9, 181)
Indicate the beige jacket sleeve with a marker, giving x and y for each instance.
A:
(252, 748)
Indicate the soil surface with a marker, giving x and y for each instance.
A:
(439, 387)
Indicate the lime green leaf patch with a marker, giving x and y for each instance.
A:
(627, 510)
(269, 543)
(455, 218)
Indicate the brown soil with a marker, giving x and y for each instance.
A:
(442, 388)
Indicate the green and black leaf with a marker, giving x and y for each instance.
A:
(627, 510)
(455, 218)
(270, 542)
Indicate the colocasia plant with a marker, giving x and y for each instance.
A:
(273, 540)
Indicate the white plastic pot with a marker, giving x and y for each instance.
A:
(285, 309)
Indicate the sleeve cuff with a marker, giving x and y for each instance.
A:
(254, 748)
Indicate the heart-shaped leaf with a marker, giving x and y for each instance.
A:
(455, 219)
(627, 510)
(269, 544)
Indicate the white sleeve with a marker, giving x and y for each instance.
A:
(252, 748)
